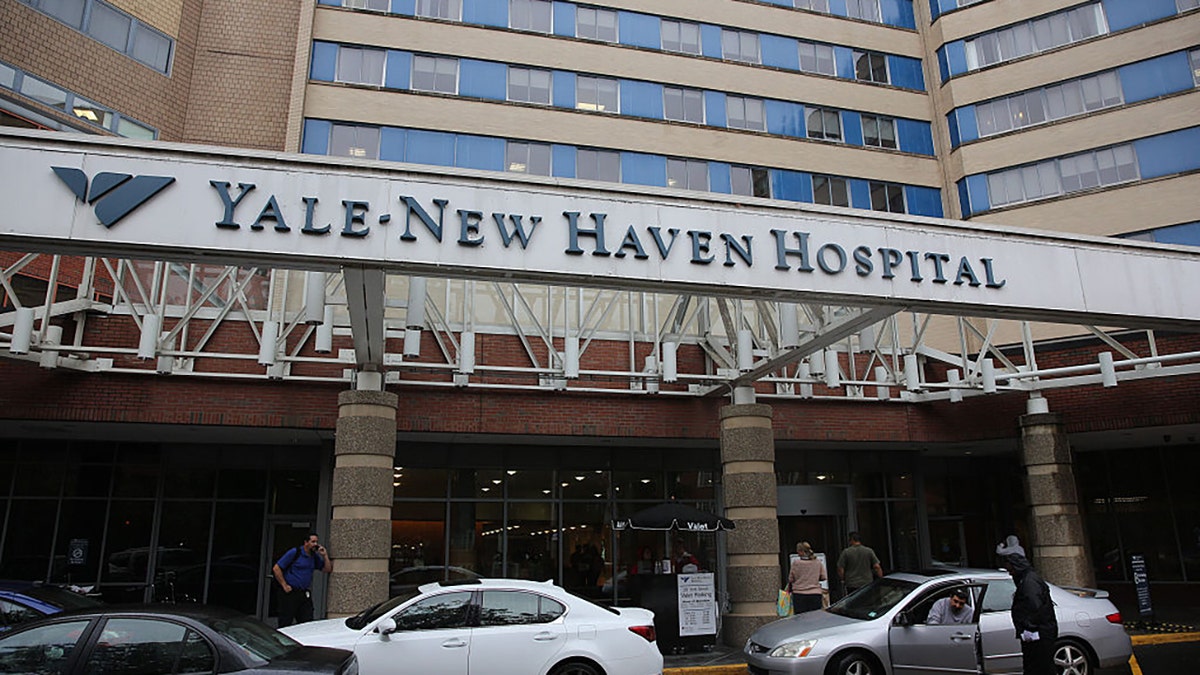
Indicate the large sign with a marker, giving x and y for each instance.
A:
(126, 198)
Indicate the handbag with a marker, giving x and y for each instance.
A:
(783, 605)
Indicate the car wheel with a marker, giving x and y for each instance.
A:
(856, 663)
(1071, 659)
(576, 668)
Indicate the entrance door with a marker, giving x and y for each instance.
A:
(281, 535)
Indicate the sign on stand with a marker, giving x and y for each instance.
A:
(1141, 582)
(697, 604)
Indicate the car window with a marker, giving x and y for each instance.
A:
(258, 640)
(999, 595)
(875, 599)
(12, 613)
(507, 608)
(921, 608)
(41, 651)
(148, 647)
(446, 610)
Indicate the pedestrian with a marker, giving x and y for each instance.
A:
(857, 564)
(804, 579)
(953, 609)
(684, 561)
(1032, 610)
(294, 572)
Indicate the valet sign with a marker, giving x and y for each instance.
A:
(214, 205)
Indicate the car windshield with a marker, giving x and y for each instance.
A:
(374, 612)
(873, 600)
(254, 637)
(61, 597)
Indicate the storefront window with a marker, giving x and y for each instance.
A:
(586, 562)
(648, 485)
(80, 528)
(410, 483)
(530, 483)
(418, 535)
(476, 535)
(532, 533)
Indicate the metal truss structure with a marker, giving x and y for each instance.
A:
(782, 350)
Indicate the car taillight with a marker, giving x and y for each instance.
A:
(645, 631)
(1115, 617)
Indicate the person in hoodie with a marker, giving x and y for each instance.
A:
(1032, 610)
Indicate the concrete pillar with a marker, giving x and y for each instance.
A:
(748, 470)
(1059, 548)
(360, 534)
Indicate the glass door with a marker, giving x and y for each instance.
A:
(281, 536)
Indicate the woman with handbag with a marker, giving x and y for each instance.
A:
(804, 579)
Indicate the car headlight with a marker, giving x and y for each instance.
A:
(794, 649)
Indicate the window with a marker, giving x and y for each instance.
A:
(879, 132)
(814, 5)
(1039, 35)
(681, 36)
(965, 3)
(145, 646)
(112, 27)
(440, 9)
(752, 182)
(1194, 57)
(867, 10)
(870, 67)
(597, 24)
(43, 92)
(529, 85)
(12, 613)
(513, 608)
(151, 47)
(435, 73)
(1074, 173)
(687, 174)
(69, 12)
(1024, 183)
(1184, 5)
(535, 15)
(886, 197)
(824, 124)
(817, 58)
(739, 46)
(360, 66)
(1070, 98)
(830, 190)
(745, 113)
(446, 610)
(596, 93)
(531, 158)
(684, 105)
(374, 5)
(45, 649)
(347, 140)
(598, 165)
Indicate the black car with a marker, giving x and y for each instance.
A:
(161, 640)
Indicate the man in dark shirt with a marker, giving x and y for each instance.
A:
(294, 572)
(857, 564)
(1032, 610)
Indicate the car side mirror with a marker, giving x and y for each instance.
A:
(903, 619)
(386, 626)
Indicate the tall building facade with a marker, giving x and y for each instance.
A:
(530, 416)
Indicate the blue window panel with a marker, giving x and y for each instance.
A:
(785, 119)
(479, 152)
(710, 40)
(399, 70)
(486, 12)
(860, 193)
(838, 8)
(718, 177)
(779, 52)
(923, 201)
(1187, 234)
(714, 109)
(1155, 77)
(564, 19)
(963, 125)
(324, 61)
(789, 185)
(641, 99)
(405, 7)
(952, 125)
(943, 65)
(563, 84)
(1123, 14)
(562, 160)
(952, 59)
(430, 147)
(906, 72)
(935, 10)
(639, 30)
(316, 137)
(964, 200)
(898, 13)
(843, 58)
(977, 193)
(852, 132)
(641, 169)
(916, 136)
(1167, 154)
(391, 144)
(330, 3)
(483, 79)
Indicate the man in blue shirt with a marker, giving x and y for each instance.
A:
(294, 572)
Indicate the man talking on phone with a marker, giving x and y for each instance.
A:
(294, 572)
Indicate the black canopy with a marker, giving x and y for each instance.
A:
(674, 516)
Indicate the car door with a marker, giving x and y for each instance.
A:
(431, 636)
(518, 633)
(920, 648)
(43, 650)
(1001, 648)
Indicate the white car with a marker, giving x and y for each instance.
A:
(492, 627)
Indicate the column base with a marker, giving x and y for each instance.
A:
(737, 628)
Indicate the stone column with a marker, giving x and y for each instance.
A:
(360, 534)
(748, 470)
(1059, 547)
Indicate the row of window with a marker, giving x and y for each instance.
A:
(1063, 175)
(544, 159)
(684, 37)
(110, 26)
(1038, 35)
(940, 7)
(54, 96)
(447, 75)
(1185, 233)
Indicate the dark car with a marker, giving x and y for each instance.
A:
(162, 639)
(24, 601)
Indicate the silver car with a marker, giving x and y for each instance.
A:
(881, 629)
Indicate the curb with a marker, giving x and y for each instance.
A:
(730, 669)
(1164, 638)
